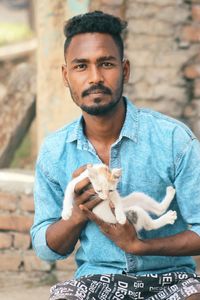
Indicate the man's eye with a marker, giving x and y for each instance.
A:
(80, 67)
(107, 65)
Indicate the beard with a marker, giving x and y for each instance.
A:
(98, 109)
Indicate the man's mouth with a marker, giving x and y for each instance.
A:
(96, 92)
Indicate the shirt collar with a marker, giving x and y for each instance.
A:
(130, 126)
(129, 129)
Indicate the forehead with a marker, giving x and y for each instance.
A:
(91, 46)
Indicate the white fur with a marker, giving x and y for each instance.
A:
(69, 195)
(138, 202)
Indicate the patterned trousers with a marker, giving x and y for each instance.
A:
(171, 286)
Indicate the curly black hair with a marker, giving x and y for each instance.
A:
(96, 21)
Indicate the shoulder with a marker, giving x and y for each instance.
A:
(55, 143)
(168, 126)
(62, 135)
(166, 134)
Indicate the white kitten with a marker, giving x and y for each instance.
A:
(135, 206)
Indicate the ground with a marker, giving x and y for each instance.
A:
(24, 293)
(14, 286)
(29, 286)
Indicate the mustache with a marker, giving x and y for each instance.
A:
(97, 88)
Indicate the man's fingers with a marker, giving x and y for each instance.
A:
(81, 186)
(112, 207)
(80, 170)
(91, 215)
(93, 202)
(87, 196)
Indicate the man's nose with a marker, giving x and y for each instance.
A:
(95, 76)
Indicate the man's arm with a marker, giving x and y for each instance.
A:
(125, 236)
(52, 237)
(63, 235)
(181, 244)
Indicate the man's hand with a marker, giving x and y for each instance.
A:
(63, 235)
(83, 194)
(124, 236)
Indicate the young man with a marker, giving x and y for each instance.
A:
(154, 151)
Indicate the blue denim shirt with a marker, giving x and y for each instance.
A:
(154, 151)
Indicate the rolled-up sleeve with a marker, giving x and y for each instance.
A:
(187, 183)
(48, 199)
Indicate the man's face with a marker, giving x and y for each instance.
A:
(94, 72)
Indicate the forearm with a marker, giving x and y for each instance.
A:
(182, 244)
(63, 235)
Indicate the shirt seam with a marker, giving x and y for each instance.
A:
(176, 122)
(181, 154)
(46, 173)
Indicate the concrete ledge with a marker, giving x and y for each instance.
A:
(18, 50)
(16, 181)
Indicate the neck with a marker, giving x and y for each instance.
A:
(105, 129)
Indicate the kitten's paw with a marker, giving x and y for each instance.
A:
(66, 214)
(171, 216)
(171, 191)
(121, 219)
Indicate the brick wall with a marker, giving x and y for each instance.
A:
(15, 220)
(162, 43)
(16, 253)
(16, 217)
(191, 35)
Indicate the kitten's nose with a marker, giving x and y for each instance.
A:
(104, 196)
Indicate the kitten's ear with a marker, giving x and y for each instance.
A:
(91, 171)
(116, 173)
(89, 166)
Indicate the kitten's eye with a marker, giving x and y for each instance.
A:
(99, 191)
(110, 191)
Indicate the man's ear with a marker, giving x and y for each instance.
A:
(126, 70)
(64, 75)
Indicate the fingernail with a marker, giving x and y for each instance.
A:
(81, 207)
